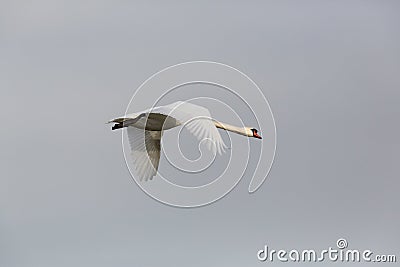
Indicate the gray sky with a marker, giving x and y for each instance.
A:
(330, 70)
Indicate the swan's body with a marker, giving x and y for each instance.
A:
(145, 131)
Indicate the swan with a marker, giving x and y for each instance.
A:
(145, 130)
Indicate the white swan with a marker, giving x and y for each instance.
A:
(145, 130)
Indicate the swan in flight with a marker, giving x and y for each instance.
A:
(145, 130)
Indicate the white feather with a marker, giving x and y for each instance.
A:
(145, 130)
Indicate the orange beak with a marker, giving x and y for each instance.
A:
(256, 135)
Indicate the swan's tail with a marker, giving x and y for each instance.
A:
(118, 126)
(124, 122)
(119, 123)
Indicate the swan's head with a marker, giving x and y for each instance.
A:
(254, 133)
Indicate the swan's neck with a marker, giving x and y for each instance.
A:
(239, 130)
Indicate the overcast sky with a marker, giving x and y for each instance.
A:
(330, 70)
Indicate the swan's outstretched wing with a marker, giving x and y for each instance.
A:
(197, 120)
(145, 147)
